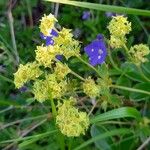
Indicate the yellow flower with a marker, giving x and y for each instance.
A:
(61, 70)
(45, 54)
(69, 46)
(139, 53)
(90, 88)
(70, 121)
(119, 26)
(49, 88)
(41, 90)
(116, 42)
(25, 73)
(47, 23)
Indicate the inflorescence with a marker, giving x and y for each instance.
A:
(49, 74)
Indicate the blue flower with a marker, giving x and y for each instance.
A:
(86, 15)
(49, 39)
(23, 89)
(96, 51)
(110, 14)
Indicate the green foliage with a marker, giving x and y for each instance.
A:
(119, 117)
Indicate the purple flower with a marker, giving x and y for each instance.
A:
(49, 39)
(23, 89)
(86, 15)
(96, 51)
(110, 14)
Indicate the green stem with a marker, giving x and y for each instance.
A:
(77, 75)
(142, 74)
(127, 51)
(130, 89)
(60, 139)
(54, 112)
(6, 79)
(90, 66)
(70, 144)
(116, 67)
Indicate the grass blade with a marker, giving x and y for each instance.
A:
(102, 7)
(38, 136)
(105, 135)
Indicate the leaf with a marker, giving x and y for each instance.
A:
(121, 131)
(37, 136)
(102, 7)
(123, 81)
(100, 144)
(117, 113)
(132, 71)
(140, 96)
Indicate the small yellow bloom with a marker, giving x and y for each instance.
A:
(61, 70)
(116, 42)
(69, 46)
(139, 53)
(49, 88)
(90, 88)
(47, 24)
(45, 54)
(70, 121)
(25, 73)
(41, 90)
(119, 26)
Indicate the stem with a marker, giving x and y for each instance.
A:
(142, 74)
(10, 19)
(146, 142)
(78, 76)
(92, 109)
(127, 51)
(70, 144)
(116, 67)
(90, 66)
(54, 112)
(60, 139)
(130, 89)
(6, 79)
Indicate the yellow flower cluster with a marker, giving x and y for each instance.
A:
(138, 53)
(69, 46)
(47, 23)
(25, 73)
(117, 42)
(118, 28)
(70, 121)
(45, 54)
(50, 88)
(61, 70)
(90, 88)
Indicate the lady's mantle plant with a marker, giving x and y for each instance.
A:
(51, 77)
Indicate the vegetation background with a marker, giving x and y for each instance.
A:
(21, 116)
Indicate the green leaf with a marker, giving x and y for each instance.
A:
(121, 131)
(102, 7)
(117, 113)
(140, 96)
(103, 143)
(123, 81)
(37, 136)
